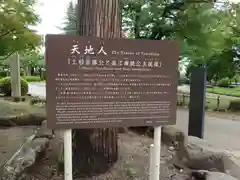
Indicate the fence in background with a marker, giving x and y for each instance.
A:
(216, 102)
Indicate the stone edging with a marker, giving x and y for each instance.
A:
(23, 120)
(34, 146)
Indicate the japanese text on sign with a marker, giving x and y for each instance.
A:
(108, 83)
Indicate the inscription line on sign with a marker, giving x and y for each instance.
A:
(97, 83)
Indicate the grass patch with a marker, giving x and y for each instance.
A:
(8, 108)
(235, 91)
(32, 78)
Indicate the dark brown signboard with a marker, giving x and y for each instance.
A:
(95, 83)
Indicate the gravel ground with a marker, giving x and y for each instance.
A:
(133, 163)
(11, 140)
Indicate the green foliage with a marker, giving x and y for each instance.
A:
(32, 59)
(32, 62)
(70, 23)
(43, 77)
(223, 47)
(37, 100)
(206, 35)
(5, 86)
(15, 34)
(32, 78)
(234, 105)
(184, 80)
(225, 82)
(235, 79)
(3, 73)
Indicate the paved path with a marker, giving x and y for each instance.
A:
(37, 89)
(221, 131)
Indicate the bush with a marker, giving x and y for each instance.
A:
(43, 77)
(21, 73)
(225, 82)
(37, 100)
(234, 105)
(3, 73)
(186, 81)
(5, 86)
(183, 80)
(32, 78)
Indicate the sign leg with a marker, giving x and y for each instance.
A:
(156, 153)
(68, 154)
(151, 166)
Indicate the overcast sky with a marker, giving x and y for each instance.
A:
(52, 13)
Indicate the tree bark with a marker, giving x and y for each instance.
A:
(95, 150)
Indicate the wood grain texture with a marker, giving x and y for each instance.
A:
(99, 18)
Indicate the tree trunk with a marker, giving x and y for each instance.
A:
(95, 150)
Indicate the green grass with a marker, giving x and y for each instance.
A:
(32, 78)
(8, 108)
(225, 91)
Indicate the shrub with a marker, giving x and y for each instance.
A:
(32, 78)
(37, 100)
(225, 82)
(43, 76)
(234, 105)
(3, 73)
(5, 86)
(183, 80)
(21, 73)
(186, 81)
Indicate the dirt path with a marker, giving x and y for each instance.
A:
(11, 140)
(133, 162)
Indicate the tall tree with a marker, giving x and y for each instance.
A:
(32, 62)
(70, 23)
(221, 49)
(15, 34)
(96, 149)
(205, 32)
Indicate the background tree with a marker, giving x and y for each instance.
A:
(70, 23)
(15, 34)
(32, 62)
(221, 49)
(204, 31)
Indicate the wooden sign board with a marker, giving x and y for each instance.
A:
(95, 83)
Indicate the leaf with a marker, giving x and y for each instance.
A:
(15, 34)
